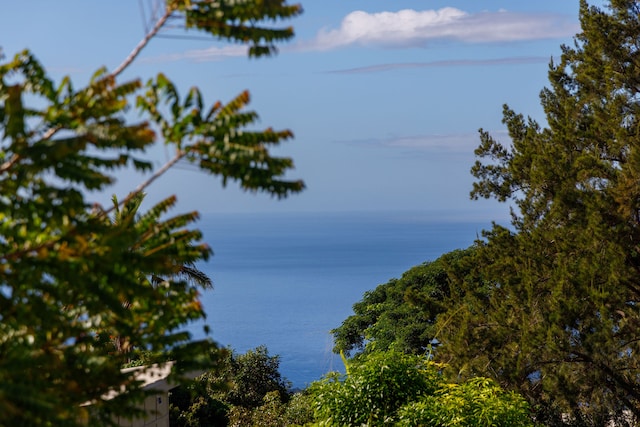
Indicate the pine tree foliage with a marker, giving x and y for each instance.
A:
(561, 323)
(67, 267)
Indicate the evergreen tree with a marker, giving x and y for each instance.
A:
(561, 322)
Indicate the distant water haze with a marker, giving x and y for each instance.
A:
(286, 280)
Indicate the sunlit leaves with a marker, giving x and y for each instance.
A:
(390, 388)
(477, 402)
(63, 137)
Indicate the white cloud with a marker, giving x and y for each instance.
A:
(412, 28)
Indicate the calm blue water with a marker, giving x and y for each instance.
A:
(285, 280)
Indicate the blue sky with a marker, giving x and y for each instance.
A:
(385, 97)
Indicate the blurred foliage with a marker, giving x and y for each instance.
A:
(69, 272)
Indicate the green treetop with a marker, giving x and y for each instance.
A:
(401, 314)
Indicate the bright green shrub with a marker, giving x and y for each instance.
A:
(477, 402)
(390, 388)
(374, 389)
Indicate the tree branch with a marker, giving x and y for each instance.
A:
(140, 188)
(16, 157)
(136, 51)
(9, 163)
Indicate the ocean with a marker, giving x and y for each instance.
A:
(285, 280)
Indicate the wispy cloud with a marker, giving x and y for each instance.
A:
(417, 28)
(447, 63)
(462, 144)
(213, 53)
(459, 143)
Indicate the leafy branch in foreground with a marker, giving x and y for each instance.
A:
(240, 21)
(66, 267)
(216, 140)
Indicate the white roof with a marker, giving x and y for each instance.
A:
(153, 377)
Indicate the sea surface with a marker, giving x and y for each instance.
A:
(286, 280)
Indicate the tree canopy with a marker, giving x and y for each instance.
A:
(65, 266)
(401, 314)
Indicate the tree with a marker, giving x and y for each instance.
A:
(254, 374)
(561, 320)
(401, 314)
(246, 389)
(65, 267)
